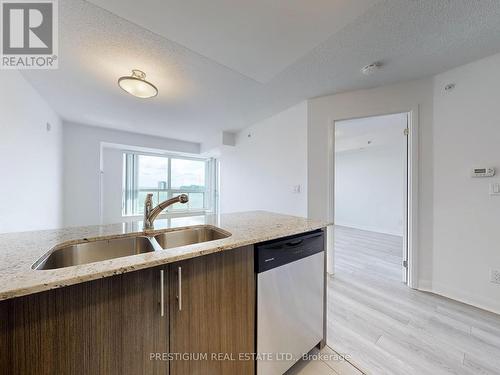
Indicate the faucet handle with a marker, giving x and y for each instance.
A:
(148, 203)
(148, 206)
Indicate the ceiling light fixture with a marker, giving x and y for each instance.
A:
(137, 85)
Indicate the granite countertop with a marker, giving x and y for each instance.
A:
(19, 251)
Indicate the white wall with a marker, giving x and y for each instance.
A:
(369, 188)
(403, 97)
(466, 223)
(458, 220)
(30, 158)
(82, 150)
(112, 186)
(261, 171)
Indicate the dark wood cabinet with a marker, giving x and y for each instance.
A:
(107, 326)
(115, 325)
(212, 313)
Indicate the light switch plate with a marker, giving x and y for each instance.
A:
(495, 188)
(495, 276)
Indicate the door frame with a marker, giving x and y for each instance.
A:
(411, 226)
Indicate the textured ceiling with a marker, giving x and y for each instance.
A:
(198, 96)
(257, 38)
(370, 132)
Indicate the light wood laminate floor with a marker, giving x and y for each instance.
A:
(329, 363)
(388, 328)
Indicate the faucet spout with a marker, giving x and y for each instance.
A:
(151, 213)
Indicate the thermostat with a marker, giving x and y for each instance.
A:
(483, 172)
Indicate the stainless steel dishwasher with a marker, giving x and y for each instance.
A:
(290, 300)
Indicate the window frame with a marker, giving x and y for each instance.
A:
(130, 189)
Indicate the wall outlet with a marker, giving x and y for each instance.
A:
(495, 276)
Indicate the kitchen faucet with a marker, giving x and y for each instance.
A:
(151, 213)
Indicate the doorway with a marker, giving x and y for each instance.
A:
(371, 190)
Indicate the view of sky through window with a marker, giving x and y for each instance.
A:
(188, 174)
(153, 172)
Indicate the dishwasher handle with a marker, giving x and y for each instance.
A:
(290, 242)
(295, 243)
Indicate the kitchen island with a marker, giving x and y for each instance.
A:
(149, 313)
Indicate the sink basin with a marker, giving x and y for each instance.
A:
(189, 236)
(96, 251)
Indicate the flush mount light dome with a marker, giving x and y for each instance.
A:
(137, 85)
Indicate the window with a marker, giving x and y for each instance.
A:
(166, 177)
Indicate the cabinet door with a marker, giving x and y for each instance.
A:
(107, 326)
(213, 313)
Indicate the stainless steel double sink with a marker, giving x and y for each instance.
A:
(99, 250)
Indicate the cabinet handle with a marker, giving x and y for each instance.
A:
(180, 288)
(162, 293)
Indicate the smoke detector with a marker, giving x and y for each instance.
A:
(371, 68)
(449, 87)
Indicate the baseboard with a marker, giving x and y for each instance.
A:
(424, 285)
(491, 305)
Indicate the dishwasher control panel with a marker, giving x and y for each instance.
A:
(275, 253)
